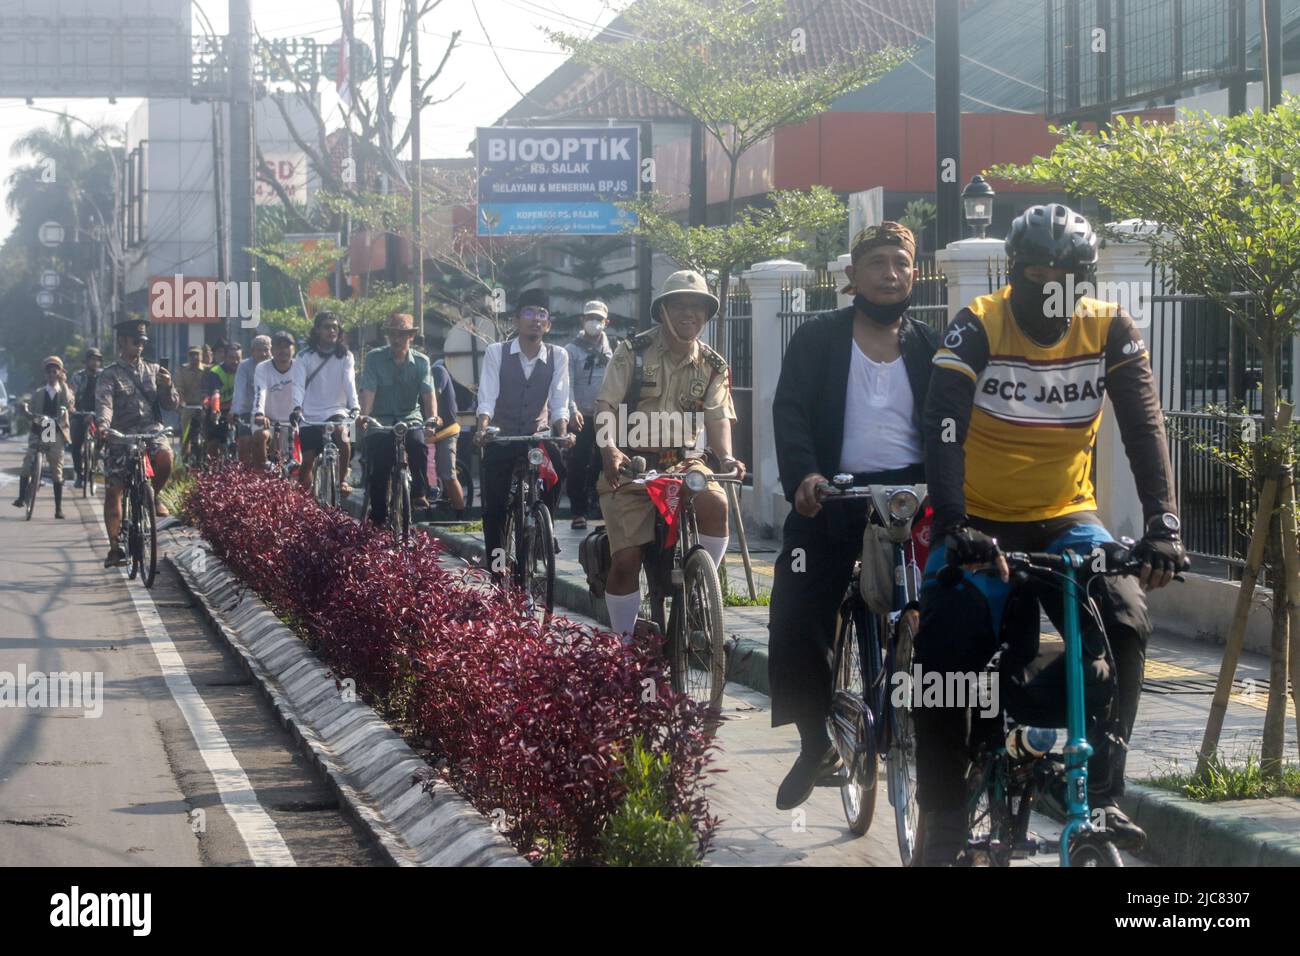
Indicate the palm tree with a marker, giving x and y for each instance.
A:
(70, 178)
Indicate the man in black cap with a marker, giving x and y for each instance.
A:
(83, 390)
(524, 388)
(130, 396)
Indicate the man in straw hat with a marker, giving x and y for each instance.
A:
(397, 386)
(653, 378)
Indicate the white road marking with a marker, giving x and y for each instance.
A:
(265, 844)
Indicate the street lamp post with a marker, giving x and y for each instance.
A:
(977, 201)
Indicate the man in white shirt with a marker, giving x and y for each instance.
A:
(325, 371)
(241, 402)
(276, 394)
(849, 400)
(524, 386)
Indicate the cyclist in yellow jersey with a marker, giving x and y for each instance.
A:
(1010, 424)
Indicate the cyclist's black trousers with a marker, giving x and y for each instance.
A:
(956, 635)
(78, 428)
(380, 452)
(816, 561)
(584, 466)
(496, 468)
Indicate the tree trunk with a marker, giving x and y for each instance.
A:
(724, 274)
(1274, 739)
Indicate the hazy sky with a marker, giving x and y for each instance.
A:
(514, 26)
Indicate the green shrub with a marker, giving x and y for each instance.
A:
(639, 833)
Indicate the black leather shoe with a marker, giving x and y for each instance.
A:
(1123, 832)
(803, 776)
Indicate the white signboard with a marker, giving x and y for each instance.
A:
(290, 171)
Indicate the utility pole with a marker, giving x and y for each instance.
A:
(947, 121)
(385, 134)
(219, 191)
(242, 154)
(644, 254)
(1270, 18)
(417, 234)
(699, 180)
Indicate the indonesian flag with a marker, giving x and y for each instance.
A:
(341, 84)
(665, 492)
(549, 477)
(148, 468)
(922, 534)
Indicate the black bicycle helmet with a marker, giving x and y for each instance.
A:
(1052, 235)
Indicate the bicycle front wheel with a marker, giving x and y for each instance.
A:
(541, 563)
(33, 486)
(697, 652)
(849, 722)
(87, 467)
(399, 507)
(148, 535)
(901, 762)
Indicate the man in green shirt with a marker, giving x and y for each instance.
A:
(397, 386)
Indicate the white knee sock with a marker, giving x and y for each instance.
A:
(623, 609)
(716, 547)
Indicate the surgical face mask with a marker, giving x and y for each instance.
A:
(592, 327)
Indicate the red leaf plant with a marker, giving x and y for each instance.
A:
(530, 719)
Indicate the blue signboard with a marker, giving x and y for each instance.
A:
(556, 181)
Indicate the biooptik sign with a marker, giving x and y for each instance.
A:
(556, 181)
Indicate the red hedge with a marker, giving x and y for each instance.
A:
(530, 719)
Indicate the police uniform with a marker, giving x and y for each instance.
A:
(128, 400)
(699, 382)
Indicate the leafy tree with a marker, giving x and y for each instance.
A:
(757, 233)
(1220, 195)
(589, 255)
(742, 72)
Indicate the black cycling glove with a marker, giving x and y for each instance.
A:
(967, 546)
(1163, 550)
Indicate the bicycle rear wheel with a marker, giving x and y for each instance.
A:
(696, 643)
(850, 721)
(541, 563)
(901, 762)
(33, 486)
(87, 466)
(1093, 850)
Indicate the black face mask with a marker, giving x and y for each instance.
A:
(881, 314)
(1029, 307)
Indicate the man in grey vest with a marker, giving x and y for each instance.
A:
(523, 387)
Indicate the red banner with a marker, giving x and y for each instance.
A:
(665, 492)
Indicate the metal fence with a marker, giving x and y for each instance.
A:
(929, 293)
(805, 297)
(731, 334)
(1201, 358)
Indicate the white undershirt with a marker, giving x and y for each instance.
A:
(879, 431)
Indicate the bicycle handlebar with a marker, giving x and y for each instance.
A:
(1118, 561)
(138, 436)
(495, 438)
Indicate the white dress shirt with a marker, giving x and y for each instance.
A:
(489, 388)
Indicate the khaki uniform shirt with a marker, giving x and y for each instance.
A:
(698, 382)
(189, 382)
(124, 397)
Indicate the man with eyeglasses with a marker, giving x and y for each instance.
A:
(523, 388)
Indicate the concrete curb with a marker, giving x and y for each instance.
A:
(375, 774)
(1182, 832)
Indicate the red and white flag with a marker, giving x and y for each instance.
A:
(549, 476)
(665, 492)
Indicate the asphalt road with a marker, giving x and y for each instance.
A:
(121, 779)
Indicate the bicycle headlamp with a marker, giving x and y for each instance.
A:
(903, 504)
(536, 456)
(399, 430)
(696, 481)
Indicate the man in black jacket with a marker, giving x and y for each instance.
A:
(849, 400)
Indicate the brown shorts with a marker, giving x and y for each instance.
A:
(630, 514)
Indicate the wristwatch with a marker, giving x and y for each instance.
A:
(1166, 522)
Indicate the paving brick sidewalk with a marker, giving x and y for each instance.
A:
(1175, 704)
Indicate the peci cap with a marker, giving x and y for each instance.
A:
(537, 298)
(887, 233)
